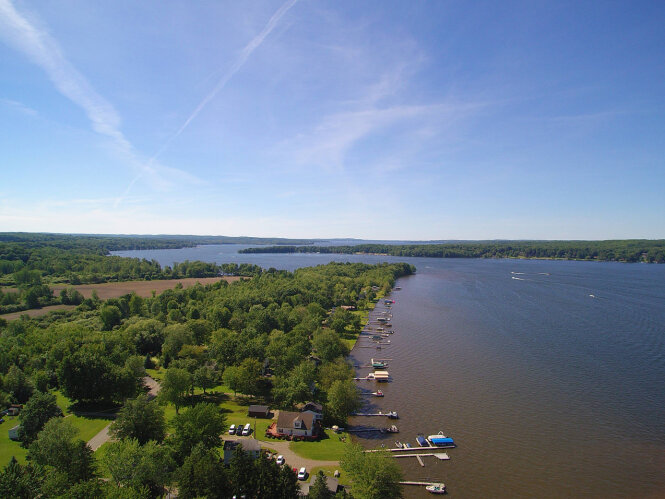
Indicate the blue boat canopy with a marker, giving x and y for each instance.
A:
(441, 440)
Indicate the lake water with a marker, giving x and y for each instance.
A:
(549, 375)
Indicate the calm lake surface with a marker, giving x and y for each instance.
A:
(547, 390)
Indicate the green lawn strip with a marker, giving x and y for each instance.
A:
(63, 402)
(326, 449)
(330, 471)
(9, 448)
(88, 427)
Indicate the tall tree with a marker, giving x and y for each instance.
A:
(20, 481)
(204, 423)
(140, 418)
(343, 400)
(175, 386)
(202, 474)
(37, 411)
(56, 446)
(138, 467)
(374, 474)
(17, 384)
(320, 488)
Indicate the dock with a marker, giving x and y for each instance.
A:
(422, 484)
(442, 456)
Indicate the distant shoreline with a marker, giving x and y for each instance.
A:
(625, 251)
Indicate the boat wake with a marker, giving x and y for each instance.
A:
(518, 278)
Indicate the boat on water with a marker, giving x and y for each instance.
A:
(378, 393)
(407, 445)
(392, 429)
(377, 364)
(381, 376)
(440, 440)
(422, 441)
(392, 415)
(436, 488)
(398, 444)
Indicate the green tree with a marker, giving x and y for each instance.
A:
(139, 467)
(204, 423)
(140, 418)
(242, 474)
(297, 386)
(343, 400)
(17, 384)
(56, 446)
(37, 411)
(148, 335)
(20, 481)
(111, 316)
(328, 345)
(90, 376)
(320, 488)
(250, 374)
(232, 378)
(202, 474)
(338, 370)
(205, 377)
(374, 474)
(175, 387)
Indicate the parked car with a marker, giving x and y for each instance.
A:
(302, 474)
(246, 430)
(280, 459)
(232, 429)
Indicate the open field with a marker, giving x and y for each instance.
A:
(142, 288)
(114, 290)
(36, 312)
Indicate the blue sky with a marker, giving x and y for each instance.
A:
(373, 119)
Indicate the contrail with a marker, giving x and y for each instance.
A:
(240, 61)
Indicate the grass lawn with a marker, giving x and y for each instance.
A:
(326, 449)
(88, 427)
(329, 471)
(9, 448)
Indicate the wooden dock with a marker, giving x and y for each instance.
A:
(442, 456)
(422, 484)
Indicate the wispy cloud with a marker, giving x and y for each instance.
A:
(19, 106)
(235, 67)
(43, 50)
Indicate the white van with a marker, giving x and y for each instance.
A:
(246, 430)
(232, 429)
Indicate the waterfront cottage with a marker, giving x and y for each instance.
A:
(313, 408)
(296, 424)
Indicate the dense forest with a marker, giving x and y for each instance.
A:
(631, 250)
(278, 337)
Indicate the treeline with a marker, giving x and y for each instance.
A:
(632, 250)
(279, 337)
(32, 258)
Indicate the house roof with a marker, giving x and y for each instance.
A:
(313, 406)
(259, 408)
(248, 444)
(287, 418)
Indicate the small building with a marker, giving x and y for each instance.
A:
(313, 408)
(296, 424)
(348, 307)
(332, 483)
(13, 411)
(13, 432)
(249, 445)
(258, 411)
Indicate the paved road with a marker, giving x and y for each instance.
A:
(100, 439)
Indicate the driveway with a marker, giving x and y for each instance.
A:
(293, 459)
